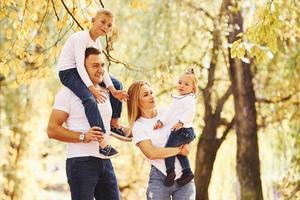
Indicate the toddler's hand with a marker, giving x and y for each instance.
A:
(158, 125)
(177, 126)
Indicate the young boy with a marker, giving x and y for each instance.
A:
(73, 75)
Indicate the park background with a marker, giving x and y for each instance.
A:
(247, 59)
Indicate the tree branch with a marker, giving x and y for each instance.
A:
(206, 13)
(222, 101)
(100, 1)
(55, 10)
(226, 131)
(264, 100)
(78, 24)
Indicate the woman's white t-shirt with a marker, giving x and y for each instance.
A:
(143, 130)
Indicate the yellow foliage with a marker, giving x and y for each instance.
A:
(262, 35)
(140, 4)
(9, 33)
(4, 69)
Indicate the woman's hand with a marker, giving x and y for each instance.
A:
(185, 150)
(93, 134)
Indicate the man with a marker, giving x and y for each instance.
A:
(88, 175)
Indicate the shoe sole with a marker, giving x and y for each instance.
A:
(108, 157)
(123, 138)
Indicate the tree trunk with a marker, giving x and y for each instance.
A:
(248, 164)
(209, 144)
(207, 148)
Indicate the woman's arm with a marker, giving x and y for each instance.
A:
(152, 152)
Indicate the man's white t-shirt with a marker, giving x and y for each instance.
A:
(68, 102)
(143, 130)
(73, 53)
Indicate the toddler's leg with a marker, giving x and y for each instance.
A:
(173, 141)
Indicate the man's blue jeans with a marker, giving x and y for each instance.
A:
(177, 138)
(71, 79)
(90, 177)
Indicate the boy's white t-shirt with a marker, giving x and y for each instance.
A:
(68, 102)
(143, 130)
(73, 53)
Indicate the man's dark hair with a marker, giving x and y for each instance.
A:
(91, 51)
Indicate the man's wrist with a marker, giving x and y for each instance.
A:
(81, 137)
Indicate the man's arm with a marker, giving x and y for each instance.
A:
(56, 131)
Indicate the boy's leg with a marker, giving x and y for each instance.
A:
(115, 103)
(117, 129)
(71, 79)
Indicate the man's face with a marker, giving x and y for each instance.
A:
(94, 65)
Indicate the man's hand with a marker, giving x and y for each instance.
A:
(98, 93)
(158, 125)
(93, 134)
(185, 150)
(177, 126)
(120, 95)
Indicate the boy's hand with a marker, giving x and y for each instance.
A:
(158, 125)
(120, 95)
(177, 126)
(99, 94)
(94, 134)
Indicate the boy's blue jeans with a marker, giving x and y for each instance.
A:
(71, 79)
(177, 138)
(90, 177)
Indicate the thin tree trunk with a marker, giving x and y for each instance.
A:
(207, 148)
(248, 164)
(209, 144)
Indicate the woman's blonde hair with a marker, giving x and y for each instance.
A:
(133, 109)
(191, 73)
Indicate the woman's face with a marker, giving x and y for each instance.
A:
(146, 98)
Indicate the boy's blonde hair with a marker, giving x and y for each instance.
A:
(133, 109)
(191, 73)
(104, 11)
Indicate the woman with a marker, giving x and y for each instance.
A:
(142, 116)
